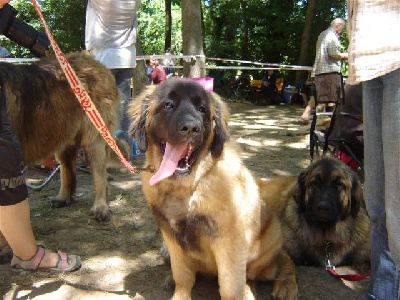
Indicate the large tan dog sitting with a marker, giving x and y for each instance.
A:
(323, 215)
(48, 118)
(205, 201)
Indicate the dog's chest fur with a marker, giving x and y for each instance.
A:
(183, 222)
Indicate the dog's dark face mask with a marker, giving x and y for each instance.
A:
(327, 194)
(183, 119)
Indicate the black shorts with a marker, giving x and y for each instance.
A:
(13, 189)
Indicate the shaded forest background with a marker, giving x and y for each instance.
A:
(267, 31)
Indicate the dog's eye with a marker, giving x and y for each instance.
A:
(339, 183)
(202, 109)
(315, 182)
(168, 105)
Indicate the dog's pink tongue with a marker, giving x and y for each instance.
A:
(170, 160)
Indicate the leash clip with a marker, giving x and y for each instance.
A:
(328, 265)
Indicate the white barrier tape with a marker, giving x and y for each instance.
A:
(163, 56)
(82, 95)
(263, 66)
(257, 68)
(18, 60)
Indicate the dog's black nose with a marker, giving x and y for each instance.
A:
(189, 128)
(324, 207)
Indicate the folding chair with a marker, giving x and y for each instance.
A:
(343, 138)
(51, 167)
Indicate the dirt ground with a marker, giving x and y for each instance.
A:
(121, 258)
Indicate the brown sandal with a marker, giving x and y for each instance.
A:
(66, 263)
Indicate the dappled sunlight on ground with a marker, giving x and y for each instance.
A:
(122, 258)
(269, 135)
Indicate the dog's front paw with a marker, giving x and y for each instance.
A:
(59, 202)
(284, 290)
(101, 215)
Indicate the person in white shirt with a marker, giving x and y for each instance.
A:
(110, 36)
(374, 60)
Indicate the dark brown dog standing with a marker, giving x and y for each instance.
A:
(48, 118)
(323, 214)
(205, 201)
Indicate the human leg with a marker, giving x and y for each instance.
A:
(391, 148)
(123, 81)
(305, 99)
(15, 225)
(19, 236)
(15, 222)
(379, 109)
(307, 111)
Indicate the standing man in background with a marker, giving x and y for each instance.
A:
(328, 54)
(328, 58)
(374, 60)
(110, 36)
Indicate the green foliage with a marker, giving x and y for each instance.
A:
(151, 26)
(65, 19)
(257, 30)
(26, 13)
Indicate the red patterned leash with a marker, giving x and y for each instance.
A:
(349, 277)
(331, 269)
(82, 95)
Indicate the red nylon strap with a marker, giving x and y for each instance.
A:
(349, 277)
(82, 95)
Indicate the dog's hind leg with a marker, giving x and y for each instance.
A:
(273, 263)
(67, 161)
(96, 156)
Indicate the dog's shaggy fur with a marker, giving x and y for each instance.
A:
(205, 201)
(47, 118)
(322, 212)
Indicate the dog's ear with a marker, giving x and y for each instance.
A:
(139, 112)
(356, 197)
(221, 132)
(301, 192)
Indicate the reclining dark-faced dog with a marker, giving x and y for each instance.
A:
(323, 215)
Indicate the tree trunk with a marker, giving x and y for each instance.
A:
(245, 31)
(168, 25)
(192, 38)
(305, 39)
(139, 79)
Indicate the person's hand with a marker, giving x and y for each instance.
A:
(3, 2)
